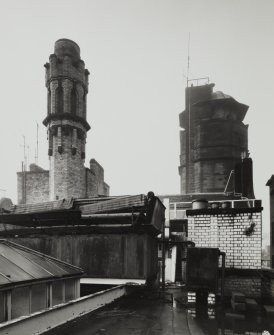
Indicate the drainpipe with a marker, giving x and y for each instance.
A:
(223, 277)
(163, 257)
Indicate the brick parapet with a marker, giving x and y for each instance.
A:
(232, 234)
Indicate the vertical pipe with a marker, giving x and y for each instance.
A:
(223, 277)
(163, 257)
(175, 210)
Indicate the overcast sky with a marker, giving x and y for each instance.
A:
(136, 52)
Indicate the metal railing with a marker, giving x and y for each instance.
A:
(177, 210)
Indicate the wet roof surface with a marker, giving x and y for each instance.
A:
(148, 314)
(18, 264)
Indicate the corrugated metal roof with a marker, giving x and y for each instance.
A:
(116, 205)
(18, 264)
(43, 206)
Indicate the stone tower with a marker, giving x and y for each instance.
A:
(214, 142)
(67, 87)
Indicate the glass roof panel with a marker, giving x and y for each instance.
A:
(3, 280)
(46, 263)
(14, 255)
(12, 271)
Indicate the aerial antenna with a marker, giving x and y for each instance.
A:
(36, 150)
(188, 59)
(189, 112)
(24, 148)
(27, 162)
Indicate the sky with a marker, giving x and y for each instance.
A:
(136, 52)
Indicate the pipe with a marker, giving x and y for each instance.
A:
(191, 243)
(109, 216)
(163, 257)
(223, 277)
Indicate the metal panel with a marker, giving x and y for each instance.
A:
(202, 269)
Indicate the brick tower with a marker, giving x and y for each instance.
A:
(67, 86)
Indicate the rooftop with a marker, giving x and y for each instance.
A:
(19, 264)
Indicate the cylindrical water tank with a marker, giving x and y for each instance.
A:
(199, 204)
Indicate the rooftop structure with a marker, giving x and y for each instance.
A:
(118, 233)
(214, 142)
(31, 281)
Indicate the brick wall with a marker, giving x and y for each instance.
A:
(36, 185)
(250, 286)
(227, 231)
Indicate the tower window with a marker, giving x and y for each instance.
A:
(73, 101)
(60, 99)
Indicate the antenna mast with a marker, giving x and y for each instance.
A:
(189, 117)
(25, 157)
(36, 151)
(188, 59)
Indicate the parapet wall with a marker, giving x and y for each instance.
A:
(32, 187)
(237, 232)
(268, 285)
(116, 255)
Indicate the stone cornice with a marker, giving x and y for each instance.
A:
(66, 116)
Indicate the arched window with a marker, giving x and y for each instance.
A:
(73, 100)
(49, 101)
(85, 106)
(60, 99)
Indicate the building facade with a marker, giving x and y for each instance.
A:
(67, 127)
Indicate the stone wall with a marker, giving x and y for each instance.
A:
(212, 140)
(116, 255)
(67, 178)
(97, 184)
(67, 88)
(32, 187)
(228, 232)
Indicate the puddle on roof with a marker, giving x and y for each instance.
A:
(215, 321)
